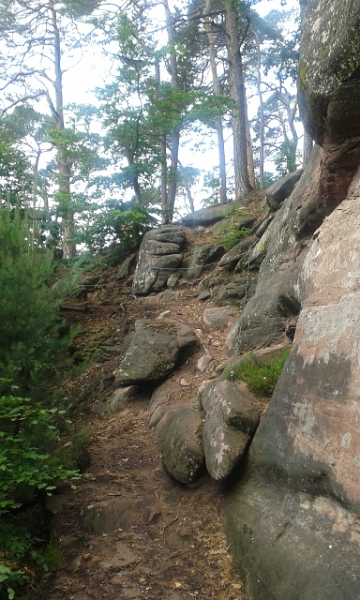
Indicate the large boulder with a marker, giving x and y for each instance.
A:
(281, 189)
(159, 256)
(160, 409)
(232, 415)
(236, 254)
(153, 349)
(236, 290)
(203, 255)
(220, 317)
(182, 451)
(152, 353)
(207, 216)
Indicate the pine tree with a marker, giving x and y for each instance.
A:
(35, 36)
(29, 334)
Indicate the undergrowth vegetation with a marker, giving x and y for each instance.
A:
(232, 232)
(259, 373)
(34, 350)
(31, 460)
(24, 558)
(230, 235)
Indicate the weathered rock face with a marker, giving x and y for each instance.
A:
(182, 450)
(158, 257)
(232, 415)
(329, 86)
(280, 190)
(152, 353)
(203, 255)
(277, 297)
(206, 216)
(330, 56)
(125, 267)
(293, 521)
(327, 348)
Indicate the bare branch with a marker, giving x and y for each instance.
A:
(23, 99)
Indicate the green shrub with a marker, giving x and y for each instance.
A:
(231, 231)
(23, 558)
(30, 340)
(30, 460)
(29, 452)
(259, 373)
(230, 235)
(114, 224)
(10, 576)
(32, 346)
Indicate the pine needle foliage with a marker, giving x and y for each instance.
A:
(29, 331)
(31, 347)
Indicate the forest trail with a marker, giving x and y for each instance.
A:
(170, 544)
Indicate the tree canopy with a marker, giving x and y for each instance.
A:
(186, 81)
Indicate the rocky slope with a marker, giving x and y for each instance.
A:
(293, 520)
(131, 529)
(186, 306)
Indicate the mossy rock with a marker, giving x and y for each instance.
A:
(329, 60)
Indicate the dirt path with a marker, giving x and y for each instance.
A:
(170, 544)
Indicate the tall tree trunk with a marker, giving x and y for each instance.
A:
(186, 186)
(236, 81)
(216, 86)
(130, 155)
(69, 247)
(173, 175)
(36, 177)
(137, 190)
(135, 179)
(249, 147)
(261, 111)
(163, 145)
(174, 137)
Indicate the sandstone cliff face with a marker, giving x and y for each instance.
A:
(294, 519)
(329, 80)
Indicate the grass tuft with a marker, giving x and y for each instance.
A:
(259, 373)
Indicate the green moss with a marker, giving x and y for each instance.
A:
(232, 230)
(259, 373)
(302, 76)
(199, 431)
